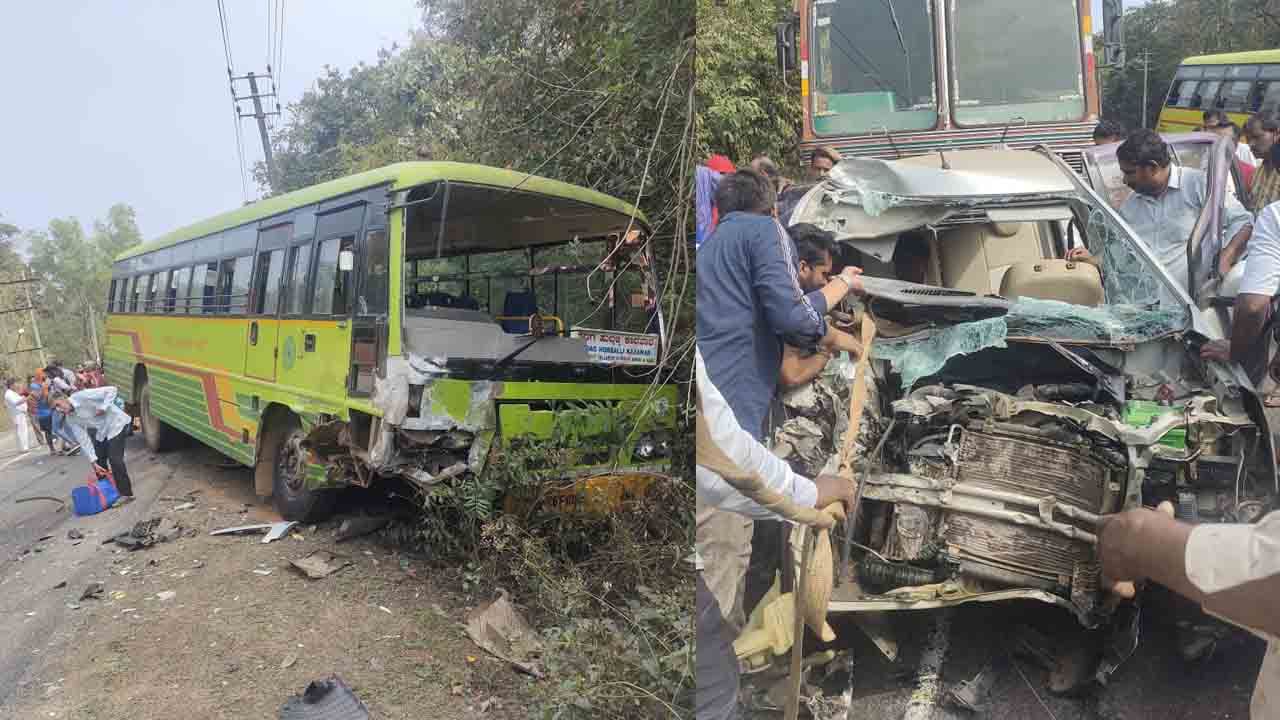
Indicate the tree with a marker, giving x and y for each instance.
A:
(1173, 30)
(745, 106)
(75, 274)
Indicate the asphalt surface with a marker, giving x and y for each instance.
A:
(35, 619)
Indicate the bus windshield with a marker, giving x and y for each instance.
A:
(1016, 60)
(872, 66)
(481, 263)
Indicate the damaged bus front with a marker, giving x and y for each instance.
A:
(522, 310)
(1017, 398)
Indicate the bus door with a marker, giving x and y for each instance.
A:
(261, 351)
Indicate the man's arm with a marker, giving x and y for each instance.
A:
(798, 369)
(745, 452)
(100, 399)
(1232, 570)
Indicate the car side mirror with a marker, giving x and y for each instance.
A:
(346, 261)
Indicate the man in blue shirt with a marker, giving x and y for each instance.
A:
(748, 299)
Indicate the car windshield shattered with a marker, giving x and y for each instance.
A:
(1014, 397)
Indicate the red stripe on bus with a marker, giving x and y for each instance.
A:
(207, 381)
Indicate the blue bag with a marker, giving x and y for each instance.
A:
(94, 496)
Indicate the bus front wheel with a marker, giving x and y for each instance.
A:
(159, 436)
(289, 492)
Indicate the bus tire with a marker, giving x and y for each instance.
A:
(289, 493)
(158, 434)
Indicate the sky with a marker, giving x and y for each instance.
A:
(127, 101)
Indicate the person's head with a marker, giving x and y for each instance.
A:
(766, 167)
(1108, 131)
(1227, 130)
(39, 375)
(14, 384)
(1212, 119)
(1261, 132)
(745, 191)
(1144, 160)
(814, 248)
(823, 159)
(911, 258)
(59, 401)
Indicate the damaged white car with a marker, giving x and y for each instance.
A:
(1016, 398)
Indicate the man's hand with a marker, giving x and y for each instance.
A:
(853, 276)
(1081, 253)
(833, 489)
(1120, 542)
(99, 470)
(837, 340)
(1219, 350)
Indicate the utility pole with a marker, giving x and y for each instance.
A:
(1146, 67)
(35, 327)
(258, 112)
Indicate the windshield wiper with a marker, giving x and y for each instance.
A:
(509, 357)
(893, 15)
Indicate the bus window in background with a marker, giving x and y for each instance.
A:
(872, 66)
(1016, 60)
(1184, 86)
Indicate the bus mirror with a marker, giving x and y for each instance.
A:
(346, 261)
(1113, 32)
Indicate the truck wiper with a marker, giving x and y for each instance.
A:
(509, 357)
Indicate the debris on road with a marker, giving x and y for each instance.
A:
(271, 528)
(288, 661)
(320, 564)
(500, 629)
(94, 591)
(328, 699)
(147, 533)
(278, 531)
(166, 595)
(74, 534)
(62, 504)
(355, 527)
(972, 694)
(60, 585)
(185, 506)
(261, 571)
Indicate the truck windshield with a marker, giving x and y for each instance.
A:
(1016, 59)
(872, 66)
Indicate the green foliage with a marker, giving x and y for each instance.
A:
(75, 274)
(1175, 29)
(744, 106)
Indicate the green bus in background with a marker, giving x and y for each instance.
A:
(410, 322)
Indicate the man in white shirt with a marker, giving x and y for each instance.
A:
(1232, 570)
(1254, 305)
(717, 666)
(1166, 202)
(16, 404)
(97, 422)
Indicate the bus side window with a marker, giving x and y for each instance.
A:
(295, 302)
(152, 286)
(266, 287)
(211, 288)
(181, 288)
(111, 296)
(241, 272)
(333, 287)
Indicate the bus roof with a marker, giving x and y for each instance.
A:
(1236, 58)
(401, 176)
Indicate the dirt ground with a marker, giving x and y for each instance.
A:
(244, 630)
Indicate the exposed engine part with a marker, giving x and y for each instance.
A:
(882, 576)
(1066, 392)
(912, 535)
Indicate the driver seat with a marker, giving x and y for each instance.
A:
(1066, 281)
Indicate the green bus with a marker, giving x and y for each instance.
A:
(405, 322)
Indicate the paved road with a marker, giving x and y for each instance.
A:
(34, 616)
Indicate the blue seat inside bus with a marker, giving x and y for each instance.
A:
(522, 304)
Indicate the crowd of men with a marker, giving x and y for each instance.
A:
(765, 300)
(73, 411)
